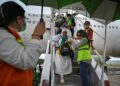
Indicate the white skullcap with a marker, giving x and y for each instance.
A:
(68, 32)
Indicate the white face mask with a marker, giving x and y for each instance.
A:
(85, 26)
(23, 26)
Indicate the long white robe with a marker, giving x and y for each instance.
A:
(63, 64)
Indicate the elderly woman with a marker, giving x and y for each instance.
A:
(63, 64)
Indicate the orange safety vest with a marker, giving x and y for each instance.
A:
(12, 76)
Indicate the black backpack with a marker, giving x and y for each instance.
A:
(65, 49)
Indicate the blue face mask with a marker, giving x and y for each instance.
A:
(23, 26)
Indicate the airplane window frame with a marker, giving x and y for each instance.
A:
(98, 26)
(29, 21)
(34, 22)
(95, 26)
(102, 26)
(116, 27)
(113, 27)
(109, 27)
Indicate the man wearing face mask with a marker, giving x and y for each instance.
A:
(17, 59)
(89, 32)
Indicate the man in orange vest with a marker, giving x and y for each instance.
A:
(17, 59)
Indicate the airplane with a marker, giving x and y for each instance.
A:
(32, 18)
(113, 30)
(113, 62)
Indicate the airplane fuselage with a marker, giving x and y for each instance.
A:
(113, 35)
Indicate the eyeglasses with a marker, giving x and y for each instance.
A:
(79, 35)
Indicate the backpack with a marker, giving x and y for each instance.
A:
(65, 49)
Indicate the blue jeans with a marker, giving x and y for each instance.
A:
(85, 73)
(72, 31)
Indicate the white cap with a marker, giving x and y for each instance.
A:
(16, 1)
(68, 32)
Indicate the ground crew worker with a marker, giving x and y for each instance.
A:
(84, 57)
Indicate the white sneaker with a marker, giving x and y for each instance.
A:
(62, 81)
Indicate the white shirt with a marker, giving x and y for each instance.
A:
(15, 54)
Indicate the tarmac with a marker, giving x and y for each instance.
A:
(114, 76)
(73, 80)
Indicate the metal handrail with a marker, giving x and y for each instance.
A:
(103, 78)
(52, 56)
(45, 76)
(98, 54)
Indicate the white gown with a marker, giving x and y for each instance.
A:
(63, 64)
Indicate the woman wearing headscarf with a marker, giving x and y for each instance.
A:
(63, 64)
(83, 56)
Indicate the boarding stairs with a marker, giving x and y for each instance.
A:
(49, 78)
(72, 79)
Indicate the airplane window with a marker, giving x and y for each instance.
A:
(109, 27)
(116, 27)
(29, 21)
(113, 27)
(33, 22)
(94, 25)
(102, 26)
(28, 14)
(36, 15)
(98, 26)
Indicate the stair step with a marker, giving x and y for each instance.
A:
(75, 70)
(70, 80)
(74, 63)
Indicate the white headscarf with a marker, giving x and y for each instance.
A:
(68, 32)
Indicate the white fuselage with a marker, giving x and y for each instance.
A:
(113, 35)
(113, 32)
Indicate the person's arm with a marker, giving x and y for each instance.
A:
(90, 34)
(82, 42)
(22, 57)
(18, 56)
(55, 39)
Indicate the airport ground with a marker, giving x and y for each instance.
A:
(114, 75)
